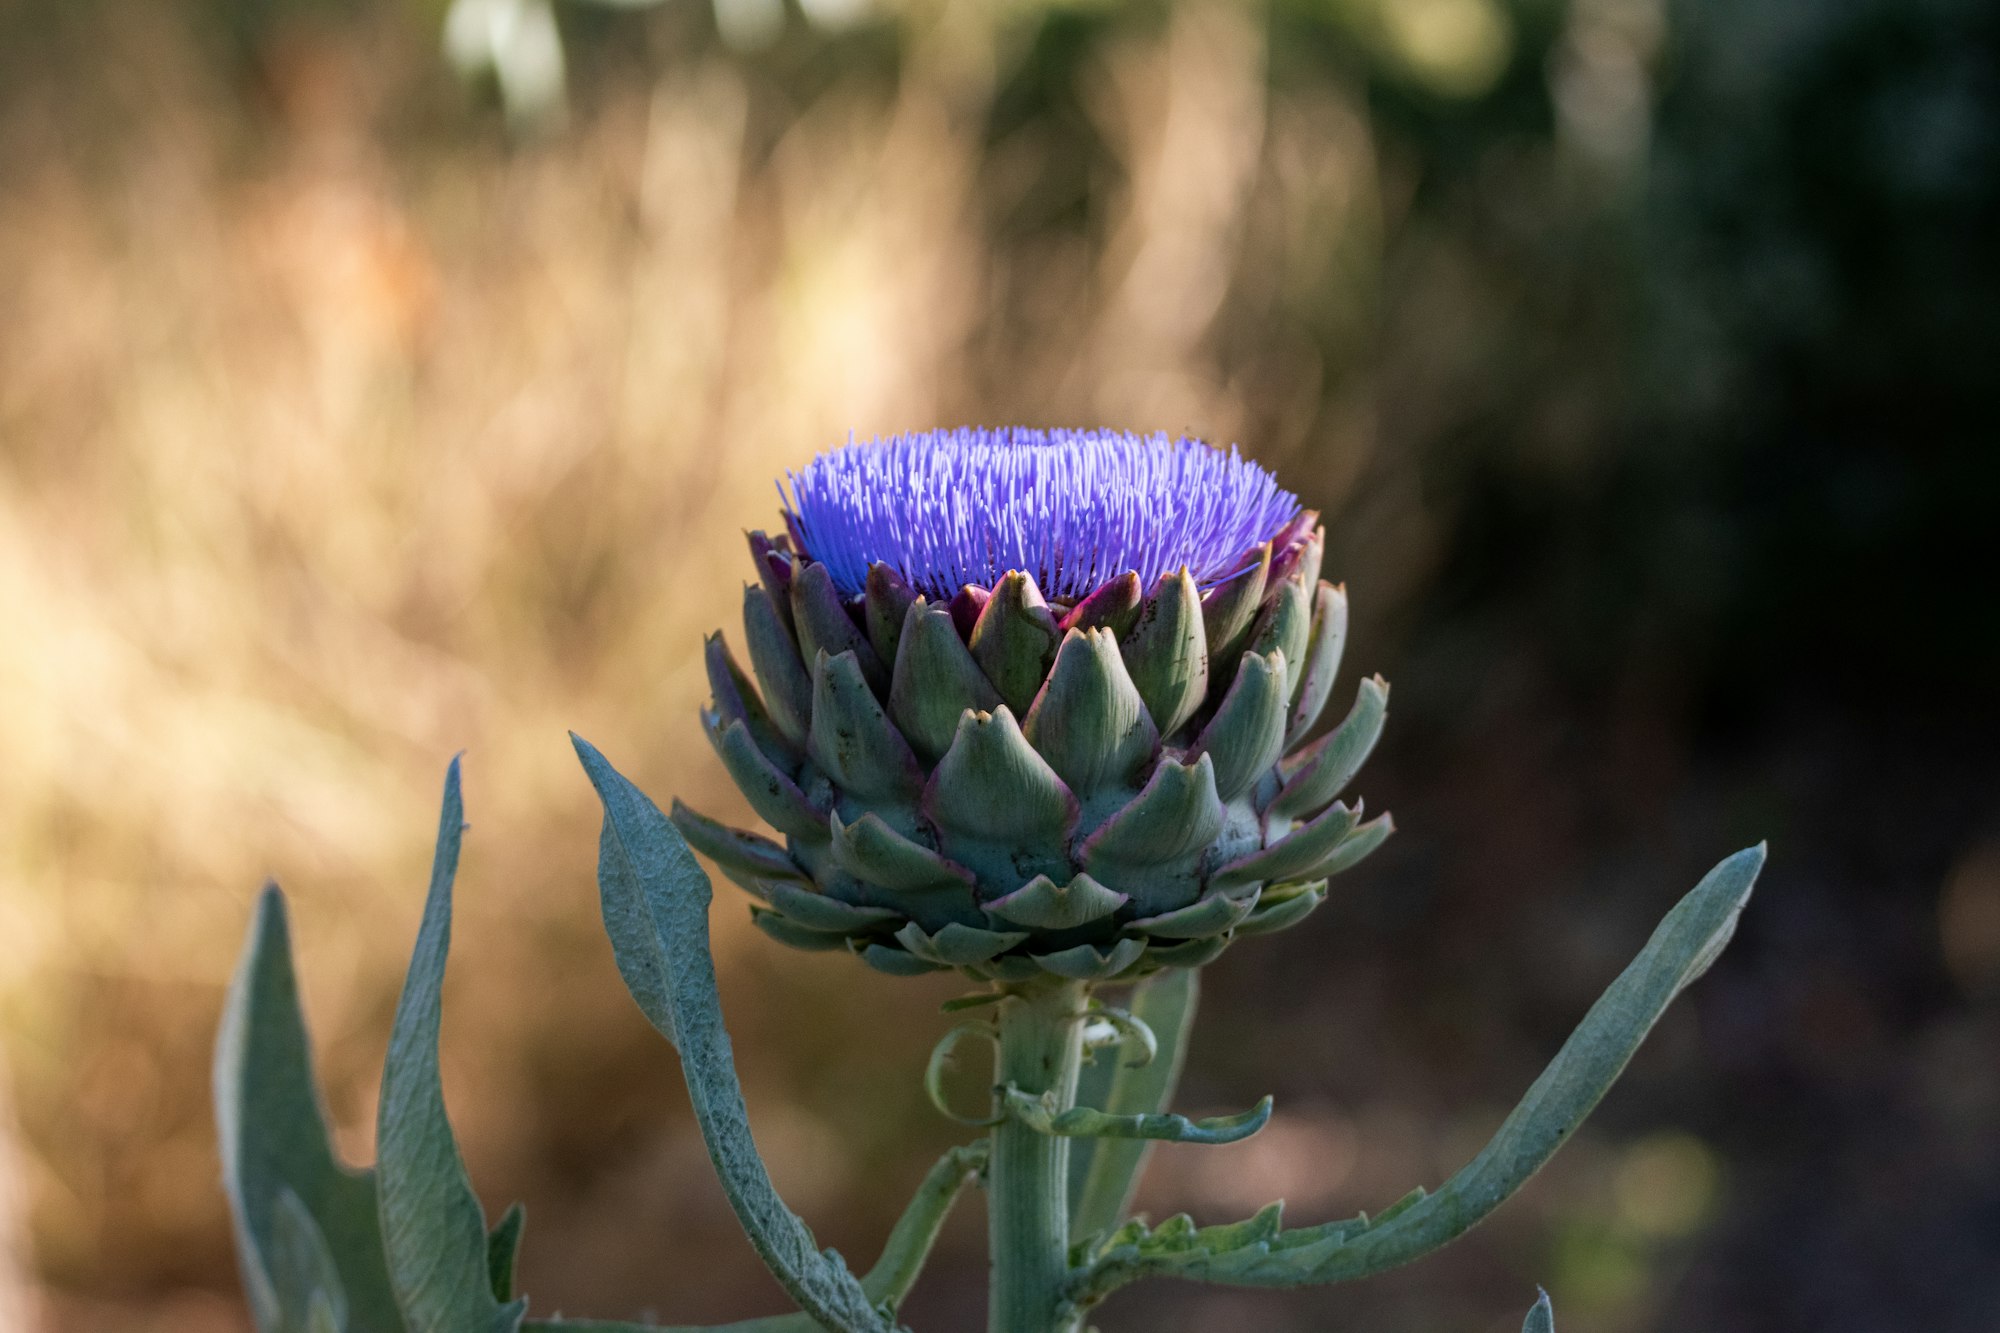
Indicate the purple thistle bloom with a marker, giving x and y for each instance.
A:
(1074, 508)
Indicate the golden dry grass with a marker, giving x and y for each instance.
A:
(338, 434)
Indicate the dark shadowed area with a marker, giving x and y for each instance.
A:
(362, 402)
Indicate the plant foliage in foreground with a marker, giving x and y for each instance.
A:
(917, 858)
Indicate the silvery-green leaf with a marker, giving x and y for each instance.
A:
(1104, 1173)
(1357, 845)
(746, 858)
(645, 859)
(819, 911)
(1213, 915)
(1167, 652)
(736, 700)
(936, 681)
(774, 657)
(1042, 904)
(1188, 953)
(303, 1274)
(1541, 1319)
(433, 1231)
(503, 1246)
(1275, 914)
(1084, 963)
(1318, 773)
(825, 627)
(958, 945)
(1322, 664)
(1285, 625)
(897, 962)
(1175, 815)
(1680, 950)
(1088, 721)
(870, 850)
(1015, 639)
(1293, 854)
(1247, 733)
(271, 1130)
(794, 935)
(1088, 1122)
(775, 797)
(852, 738)
(992, 786)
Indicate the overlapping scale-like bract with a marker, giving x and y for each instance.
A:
(1012, 787)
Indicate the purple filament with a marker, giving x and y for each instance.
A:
(1075, 508)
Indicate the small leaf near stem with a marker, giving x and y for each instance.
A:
(1083, 1122)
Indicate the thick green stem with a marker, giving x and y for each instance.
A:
(1027, 1192)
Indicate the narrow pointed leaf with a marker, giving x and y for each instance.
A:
(1188, 953)
(271, 1130)
(810, 907)
(825, 627)
(433, 1231)
(1541, 1319)
(1104, 1173)
(1285, 626)
(898, 962)
(852, 738)
(936, 681)
(795, 935)
(1167, 652)
(1015, 639)
(744, 857)
(774, 657)
(775, 567)
(1088, 721)
(1357, 845)
(503, 1245)
(1322, 664)
(1320, 772)
(646, 857)
(1292, 855)
(1247, 733)
(1283, 913)
(737, 700)
(1213, 915)
(775, 797)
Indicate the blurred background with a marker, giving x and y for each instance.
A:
(377, 381)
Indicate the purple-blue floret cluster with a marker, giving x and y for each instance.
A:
(1074, 508)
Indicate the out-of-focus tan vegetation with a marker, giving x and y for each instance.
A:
(342, 427)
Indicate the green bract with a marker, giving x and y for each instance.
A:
(1016, 788)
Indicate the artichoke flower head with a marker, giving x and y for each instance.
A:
(1030, 702)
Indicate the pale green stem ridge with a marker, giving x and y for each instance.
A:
(1041, 1048)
